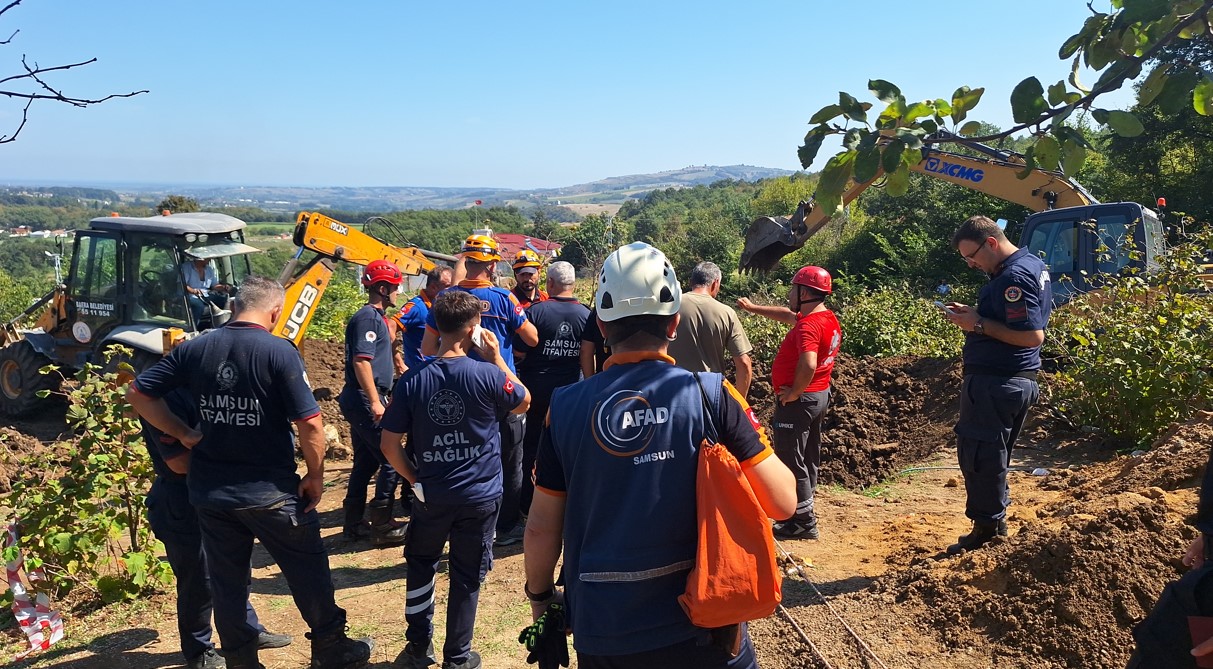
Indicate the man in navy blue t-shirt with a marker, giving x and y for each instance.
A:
(554, 363)
(1003, 335)
(451, 408)
(505, 317)
(175, 523)
(249, 387)
(368, 382)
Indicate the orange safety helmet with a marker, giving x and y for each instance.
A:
(381, 271)
(481, 248)
(814, 277)
(526, 258)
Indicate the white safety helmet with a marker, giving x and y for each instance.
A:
(637, 280)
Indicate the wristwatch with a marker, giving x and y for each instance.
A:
(979, 327)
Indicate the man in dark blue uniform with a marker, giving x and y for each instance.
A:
(501, 314)
(615, 482)
(555, 362)
(368, 383)
(175, 523)
(451, 408)
(1003, 335)
(249, 387)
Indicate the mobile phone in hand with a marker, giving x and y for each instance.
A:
(477, 337)
(943, 307)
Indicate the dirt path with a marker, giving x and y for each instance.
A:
(867, 539)
(1092, 544)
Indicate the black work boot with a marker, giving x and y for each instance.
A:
(207, 660)
(472, 662)
(354, 527)
(416, 656)
(1002, 527)
(385, 531)
(980, 535)
(244, 657)
(338, 651)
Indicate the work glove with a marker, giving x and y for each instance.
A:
(545, 639)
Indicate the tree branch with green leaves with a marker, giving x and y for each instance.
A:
(1117, 44)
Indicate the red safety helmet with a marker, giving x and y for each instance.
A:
(814, 277)
(381, 271)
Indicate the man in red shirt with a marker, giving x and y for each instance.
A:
(800, 376)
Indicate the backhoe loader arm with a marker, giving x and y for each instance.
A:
(768, 239)
(332, 240)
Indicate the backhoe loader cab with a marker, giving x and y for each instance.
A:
(125, 285)
(1079, 244)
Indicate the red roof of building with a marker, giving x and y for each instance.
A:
(513, 242)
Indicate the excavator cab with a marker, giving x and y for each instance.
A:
(1082, 244)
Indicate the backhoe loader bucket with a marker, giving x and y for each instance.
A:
(767, 240)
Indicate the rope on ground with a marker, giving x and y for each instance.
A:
(803, 635)
(788, 556)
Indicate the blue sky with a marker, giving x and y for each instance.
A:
(517, 95)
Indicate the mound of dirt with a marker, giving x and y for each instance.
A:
(1068, 588)
(13, 444)
(325, 364)
(885, 414)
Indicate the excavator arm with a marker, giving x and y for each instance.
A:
(331, 240)
(769, 238)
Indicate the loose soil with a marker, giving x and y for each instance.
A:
(1092, 544)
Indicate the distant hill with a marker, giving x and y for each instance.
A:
(612, 190)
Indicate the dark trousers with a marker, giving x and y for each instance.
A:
(293, 540)
(175, 524)
(369, 461)
(698, 653)
(469, 528)
(513, 429)
(796, 439)
(541, 387)
(992, 412)
(1163, 640)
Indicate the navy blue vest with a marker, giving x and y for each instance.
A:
(628, 440)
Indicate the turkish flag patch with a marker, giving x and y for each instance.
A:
(408, 307)
(509, 386)
(518, 310)
(749, 413)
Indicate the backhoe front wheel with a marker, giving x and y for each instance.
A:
(20, 379)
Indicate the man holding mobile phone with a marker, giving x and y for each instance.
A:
(1003, 335)
(451, 408)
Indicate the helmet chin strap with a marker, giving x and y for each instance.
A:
(800, 302)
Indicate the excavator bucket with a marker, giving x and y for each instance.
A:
(767, 240)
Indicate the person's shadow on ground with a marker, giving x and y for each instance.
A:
(117, 649)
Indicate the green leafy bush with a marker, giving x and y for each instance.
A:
(343, 297)
(893, 320)
(80, 505)
(1137, 355)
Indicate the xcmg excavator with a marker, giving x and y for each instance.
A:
(1078, 237)
(125, 286)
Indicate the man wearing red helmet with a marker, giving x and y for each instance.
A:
(368, 382)
(800, 376)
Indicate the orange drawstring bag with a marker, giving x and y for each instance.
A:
(735, 578)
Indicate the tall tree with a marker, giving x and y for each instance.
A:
(178, 204)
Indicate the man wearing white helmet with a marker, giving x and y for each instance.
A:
(620, 449)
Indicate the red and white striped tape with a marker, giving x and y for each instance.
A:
(42, 626)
